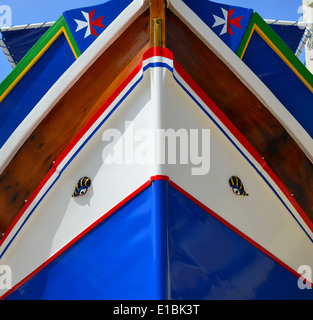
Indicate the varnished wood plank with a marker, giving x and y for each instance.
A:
(33, 161)
(157, 11)
(254, 120)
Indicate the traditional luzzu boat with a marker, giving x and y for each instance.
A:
(157, 150)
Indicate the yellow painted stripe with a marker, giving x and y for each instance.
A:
(69, 42)
(36, 58)
(248, 41)
(277, 51)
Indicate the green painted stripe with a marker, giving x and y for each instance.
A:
(71, 38)
(245, 38)
(280, 45)
(35, 50)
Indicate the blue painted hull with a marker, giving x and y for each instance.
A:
(162, 245)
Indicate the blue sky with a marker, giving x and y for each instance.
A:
(37, 11)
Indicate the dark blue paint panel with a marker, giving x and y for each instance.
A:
(33, 86)
(210, 261)
(81, 20)
(159, 207)
(119, 259)
(217, 16)
(281, 80)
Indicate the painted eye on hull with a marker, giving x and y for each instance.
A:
(82, 191)
(236, 191)
(237, 187)
(82, 187)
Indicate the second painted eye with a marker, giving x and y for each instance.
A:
(82, 187)
(236, 191)
(237, 187)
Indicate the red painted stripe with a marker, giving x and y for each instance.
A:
(243, 141)
(28, 203)
(158, 51)
(218, 113)
(78, 237)
(159, 177)
(71, 145)
(230, 226)
(98, 113)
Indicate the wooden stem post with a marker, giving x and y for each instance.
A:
(157, 23)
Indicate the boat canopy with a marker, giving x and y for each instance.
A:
(18, 40)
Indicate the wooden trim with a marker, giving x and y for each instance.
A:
(35, 158)
(157, 11)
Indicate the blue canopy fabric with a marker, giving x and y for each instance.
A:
(290, 34)
(19, 42)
